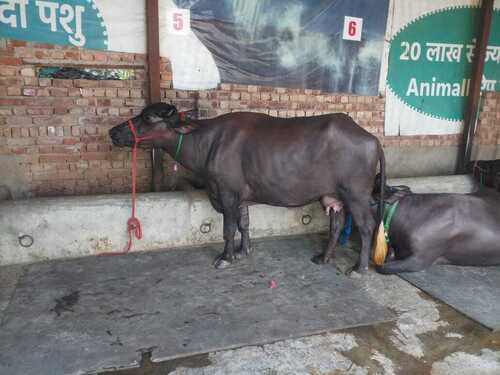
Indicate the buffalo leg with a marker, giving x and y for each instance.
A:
(337, 221)
(243, 224)
(360, 211)
(410, 264)
(230, 214)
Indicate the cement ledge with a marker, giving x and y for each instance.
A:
(77, 226)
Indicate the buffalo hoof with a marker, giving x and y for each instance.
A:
(321, 259)
(356, 270)
(242, 253)
(382, 269)
(221, 262)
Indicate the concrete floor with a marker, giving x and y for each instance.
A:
(428, 337)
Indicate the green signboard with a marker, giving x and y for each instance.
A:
(75, 22)
(430, 61)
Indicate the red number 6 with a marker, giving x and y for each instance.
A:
(352, 28)
(178, 21)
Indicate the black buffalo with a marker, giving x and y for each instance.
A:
(247, 158)
(458, 229)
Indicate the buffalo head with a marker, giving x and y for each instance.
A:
(154, 121)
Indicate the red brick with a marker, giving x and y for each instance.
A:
(56, 54)
(70, 141)
(19, 120)
(8, 71)
(30, 81)
(85, 83)
(98, 92)
(112, 84)
(50, 140)
(17, 43)
(104, 102)
(25, 132)
(100, 56)
(60, 110)
(24, 52)
(42, 92)
(29, 92)
(106, 164)
(135, 102)
(44, 82)
(20, 141)
(62, 83)
(87, 55)
(17, 150)
(47, 158)
(73, 91)
(95, 156)
(66, 149)
(33, 132)
(72, 55)
(87, 92)
(13, 91)
(123, 93)
(28, 72)
(140, 58)
(59, 91)
(15, 132)
(111, 92)
(47, 120)
(45, 149)
(8, 60)
(91, 147)
(39, 111)
(136, 93)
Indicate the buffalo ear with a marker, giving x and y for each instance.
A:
(186, 128)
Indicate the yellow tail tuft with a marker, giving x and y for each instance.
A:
(379, 250)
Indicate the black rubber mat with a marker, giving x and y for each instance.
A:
(474, 291)
(89, 314)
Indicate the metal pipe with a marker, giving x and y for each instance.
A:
(473, 108)
(153, 44)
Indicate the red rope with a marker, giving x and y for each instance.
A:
(133, 223)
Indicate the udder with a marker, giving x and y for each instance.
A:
(331, 203)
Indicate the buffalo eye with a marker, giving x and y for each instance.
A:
(167, 112)
(152, 118)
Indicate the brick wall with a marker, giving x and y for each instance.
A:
(488, 130)
(58, 128)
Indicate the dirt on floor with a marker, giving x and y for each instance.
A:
(428, 337)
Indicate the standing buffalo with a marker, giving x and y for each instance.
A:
(426, 229)
(247, 158)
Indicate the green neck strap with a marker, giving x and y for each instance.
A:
(389, 211)
(179, 145)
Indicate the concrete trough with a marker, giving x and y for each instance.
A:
(78, 226)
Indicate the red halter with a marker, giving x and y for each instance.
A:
(133, 223)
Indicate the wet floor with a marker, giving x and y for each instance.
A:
(429, 337)
(459, 335)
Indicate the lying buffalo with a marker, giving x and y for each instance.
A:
(247, 158)
(426, 229)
